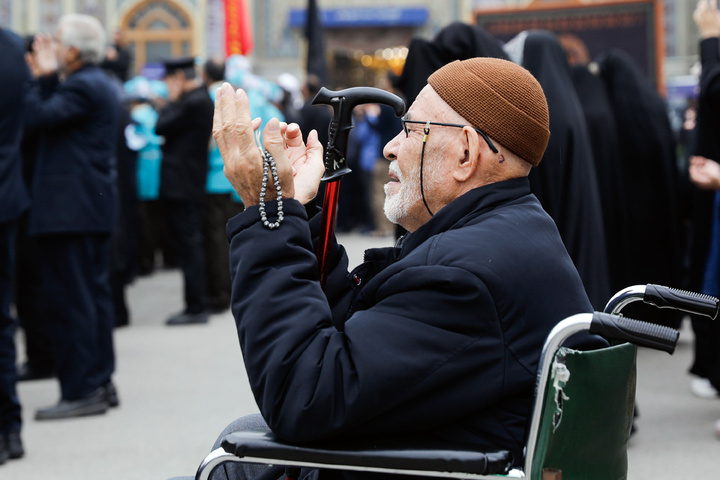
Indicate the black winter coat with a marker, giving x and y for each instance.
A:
(74, 184)
(438, 338)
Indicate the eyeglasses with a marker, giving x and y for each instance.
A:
(405, 121)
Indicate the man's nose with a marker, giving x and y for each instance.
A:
(391, 147)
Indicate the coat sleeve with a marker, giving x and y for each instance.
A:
(312, 381)
(51, 104)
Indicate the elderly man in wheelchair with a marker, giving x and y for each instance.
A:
(432, 344)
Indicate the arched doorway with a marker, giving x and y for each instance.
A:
(157, 29)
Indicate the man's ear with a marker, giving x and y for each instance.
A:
(469, 161)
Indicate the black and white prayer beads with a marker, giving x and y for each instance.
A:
(270, 168)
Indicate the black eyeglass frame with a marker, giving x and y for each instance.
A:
(404, 121)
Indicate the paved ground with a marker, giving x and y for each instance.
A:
(180, 386)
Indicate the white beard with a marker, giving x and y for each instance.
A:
(398, 206)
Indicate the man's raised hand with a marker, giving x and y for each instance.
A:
(299, 166)
(307, 163)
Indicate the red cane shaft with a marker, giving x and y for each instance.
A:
(332, 189)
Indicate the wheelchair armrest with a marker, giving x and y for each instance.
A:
(400, 459)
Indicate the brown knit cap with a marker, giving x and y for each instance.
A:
(500, 98)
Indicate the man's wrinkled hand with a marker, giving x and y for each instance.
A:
(234, 133)
(299, 166)
(308, 167)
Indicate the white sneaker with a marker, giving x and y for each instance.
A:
(702, 388)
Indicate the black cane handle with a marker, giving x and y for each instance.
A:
(342, 103)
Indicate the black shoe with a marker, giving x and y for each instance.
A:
(185, 318)
(111, 396)
(93, 404)
(14, 445)
(25, 373)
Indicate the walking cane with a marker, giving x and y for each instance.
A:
(342, 102)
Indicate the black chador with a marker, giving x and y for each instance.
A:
(565, 181)
(600, 119)
(647, 154)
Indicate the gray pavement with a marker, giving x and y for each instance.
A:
(180, 386)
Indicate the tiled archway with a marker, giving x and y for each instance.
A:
(156, 29)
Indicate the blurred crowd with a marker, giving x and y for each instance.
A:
(119, 177)
(106, 176)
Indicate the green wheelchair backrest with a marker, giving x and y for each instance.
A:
(587, 414)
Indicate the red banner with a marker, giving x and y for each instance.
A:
(238, 30)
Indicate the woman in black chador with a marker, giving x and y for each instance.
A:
(600, 121)
(566, 182)
(647, 153)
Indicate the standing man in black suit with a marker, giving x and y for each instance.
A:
(117, 58)
(14, 78)
(74, 209)
(186, 124)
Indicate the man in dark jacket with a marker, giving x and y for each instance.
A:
(73, 211)
(14, 77)
(437, 338)
(186, 124)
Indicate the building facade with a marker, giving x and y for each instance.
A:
(357, 32)
(367, 32)
(154, 29)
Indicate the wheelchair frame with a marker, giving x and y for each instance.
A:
(263, 448)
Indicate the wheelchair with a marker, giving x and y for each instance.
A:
(579, 426)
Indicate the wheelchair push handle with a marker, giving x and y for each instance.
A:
(651, 335)
(691, 302)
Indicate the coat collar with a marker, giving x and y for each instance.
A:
(464, 208)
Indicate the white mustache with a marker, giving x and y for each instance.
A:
(394, 169)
